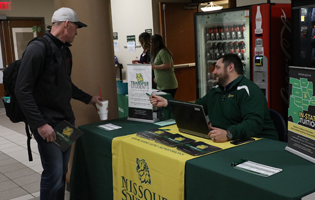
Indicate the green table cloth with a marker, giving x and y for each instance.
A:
(91, 174)
(206, 177)
(212, 177)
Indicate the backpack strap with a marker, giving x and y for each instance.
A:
(47, 47)
(29, 137)
(49, 54)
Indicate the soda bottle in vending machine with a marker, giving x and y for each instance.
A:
(215, 50)
(242, 49)
(242, 29)
(217, 33)
(208, 56)
(225, 47)
(217, 55)
(236, 47)
(231, 47)
(240, 55)
(212, 33)
(233, 34)
(207, 33)
(210, 52)
(237, 32)
(222, 33)
(221, 49)
(227, 33)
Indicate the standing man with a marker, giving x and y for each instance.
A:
(236, 106)
(44, 89)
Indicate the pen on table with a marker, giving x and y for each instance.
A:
(165, 129)
(238, 162)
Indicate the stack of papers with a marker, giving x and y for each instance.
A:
(109, 127)
(152, 134)
(158, 92)
(197, 148)
(173, 140)
(256, 168)
(166, 122)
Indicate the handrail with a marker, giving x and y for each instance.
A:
(185, 65)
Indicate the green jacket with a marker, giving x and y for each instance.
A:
(242, 109)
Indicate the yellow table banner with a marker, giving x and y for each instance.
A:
(144, 169)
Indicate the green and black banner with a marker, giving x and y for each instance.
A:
(139, 85)
(301, 113)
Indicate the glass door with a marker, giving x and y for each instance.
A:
(303, 21)
(217, 34)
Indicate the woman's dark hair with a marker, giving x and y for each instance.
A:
(144, 39)
(156, 45)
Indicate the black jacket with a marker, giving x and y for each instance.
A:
(44, 87)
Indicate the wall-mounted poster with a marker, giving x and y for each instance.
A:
(301, 113)
(21, 37)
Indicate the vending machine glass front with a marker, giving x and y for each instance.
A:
(217, 34)
(303, 41)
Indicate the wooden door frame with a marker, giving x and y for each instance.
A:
(187, 46)
(183, 49)
(6, 36)
(10, 23)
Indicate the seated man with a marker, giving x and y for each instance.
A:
(236, 106)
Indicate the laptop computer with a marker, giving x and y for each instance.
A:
(190, 118)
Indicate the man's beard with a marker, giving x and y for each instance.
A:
(222, 79)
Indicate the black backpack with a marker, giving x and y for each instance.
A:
(12, 108)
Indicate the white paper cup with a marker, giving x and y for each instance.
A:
(103, 110)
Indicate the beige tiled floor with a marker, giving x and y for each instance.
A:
(19, 178)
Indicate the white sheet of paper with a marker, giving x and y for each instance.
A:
(131, 46)
(116, 46)
(257, 168)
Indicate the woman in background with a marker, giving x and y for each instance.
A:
(163, 66)
(145, 40)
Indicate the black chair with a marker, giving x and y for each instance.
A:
(280, 125)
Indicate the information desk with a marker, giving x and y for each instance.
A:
(206, 177)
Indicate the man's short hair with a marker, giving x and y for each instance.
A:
(233, 58)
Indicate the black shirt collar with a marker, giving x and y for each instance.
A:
(58, 42)
(230, 85)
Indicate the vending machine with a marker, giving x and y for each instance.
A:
(259, 35)
(301, 110)
(303, 33)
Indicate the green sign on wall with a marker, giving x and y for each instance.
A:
(115, 35)
(149, 31)
(131, 38)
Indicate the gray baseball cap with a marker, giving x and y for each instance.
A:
(63, 14)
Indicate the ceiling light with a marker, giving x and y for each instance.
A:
(211, 7)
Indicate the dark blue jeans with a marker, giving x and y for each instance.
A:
(55, 165)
